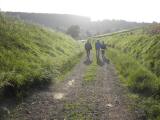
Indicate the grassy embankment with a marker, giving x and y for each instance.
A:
(136, 55)
(31, 55)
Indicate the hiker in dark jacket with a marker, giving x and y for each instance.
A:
(88, 47)
(98, 47)
(103, 48)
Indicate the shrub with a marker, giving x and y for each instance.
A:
(142, 81)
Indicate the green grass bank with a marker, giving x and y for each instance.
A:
(31, 54)
(136, 56)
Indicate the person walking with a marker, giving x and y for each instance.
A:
(88, 47)
(103, 48)
(98, 47)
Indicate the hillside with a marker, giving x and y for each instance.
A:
(62, 22)
(142, 44)
(136, 55)
(31, 54)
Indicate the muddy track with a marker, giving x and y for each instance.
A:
(103, 99)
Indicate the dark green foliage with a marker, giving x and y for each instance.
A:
(74, 31)
(142, 81)
(151, 107)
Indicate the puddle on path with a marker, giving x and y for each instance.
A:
(71, 82)
(60, 95)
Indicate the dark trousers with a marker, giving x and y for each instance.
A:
(88, 54)
(97, 53)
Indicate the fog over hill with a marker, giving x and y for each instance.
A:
(62, 22)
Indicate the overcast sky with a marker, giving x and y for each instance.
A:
(131, 10)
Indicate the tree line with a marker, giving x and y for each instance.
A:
(78, 27)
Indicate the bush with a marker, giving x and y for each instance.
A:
(151, 108)
(142, 81)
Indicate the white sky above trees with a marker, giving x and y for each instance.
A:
(131, 10)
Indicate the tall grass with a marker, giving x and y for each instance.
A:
(141, 45)
(134, 75)
(136, 55)
(33, 54)
(140, 81)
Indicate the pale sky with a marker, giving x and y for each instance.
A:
(131, 10)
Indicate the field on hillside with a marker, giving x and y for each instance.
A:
(136, 55)
(31, 54)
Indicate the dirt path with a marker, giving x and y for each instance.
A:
(72, 100)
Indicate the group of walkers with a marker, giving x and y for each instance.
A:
(100, 49)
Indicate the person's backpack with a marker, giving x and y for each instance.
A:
(88, 46)
(103, 46)
(98, 45)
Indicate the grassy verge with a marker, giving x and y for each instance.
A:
(78, 111)
(31, 55)
(69, 65)
(91, 71)
(141, 82)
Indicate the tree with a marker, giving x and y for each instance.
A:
(74, 31)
